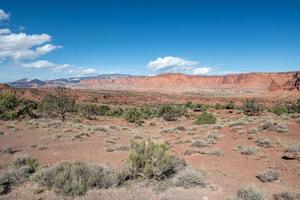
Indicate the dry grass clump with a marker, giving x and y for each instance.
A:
(249, 193)
(253, 131)
(216, 152)
(189, 177)
(269, 175)
(248, 150)
(199, 143)
(264, 142)
(75, 178)
(212, 138)
(286, 196)
(293, 148)
(14, 178)
(24, 167)
(278, 127)
(9, 150)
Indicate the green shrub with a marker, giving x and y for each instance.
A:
(206, 118)
(151, 160)
(148, 112)
(75, 178)
(231, 105)
(279, 109)
(189, 105)
(58, 104)
(132, 115)
(115, 111)
(218, 106)
(103, 110)
(89, 111)
(12, 108)
(167, 112)
(269, 175)
(251, 107)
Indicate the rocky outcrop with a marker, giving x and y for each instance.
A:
(256, 83)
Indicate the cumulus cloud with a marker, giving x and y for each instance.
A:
(3, 15)
(20, 46)
(171, 64)
(47, 48)
(25, 49)
(5, 31)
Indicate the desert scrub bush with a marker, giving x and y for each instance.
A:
(148, 112)
(269, 175)
(253, 131)
(206, 118)
(252, 107)
(248, 150)
(286, 196)
(26, 160)
(212, 138)
(216, 152)
(132, 115)
(249, 193)
(12, 108)
(230, 105)
(103, 110)
(264, 142)
(279, 109)
(199, 143)
(14, 178)
(189, 177)
(75, 178)
(151, 160)
(167, 112)
(87, 110)
(9, 150)
(115, 111)
(58, 104)
(218, 106)
(293, 148)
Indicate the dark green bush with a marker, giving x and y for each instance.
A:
(206, 118)
(279, 109)
(103, 110)
(231, 105)
(252, 107)
(148, 112)
(132, 115)
(89, 111)
(151, 160)
(58, 104)
(26, 161)
(167, 112)
(218, 106)
(115, 111)
(12, 108)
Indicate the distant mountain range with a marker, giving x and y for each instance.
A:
(36, 83)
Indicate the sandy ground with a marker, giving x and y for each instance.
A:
(102, 141)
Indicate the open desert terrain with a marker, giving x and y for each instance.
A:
(236, 150)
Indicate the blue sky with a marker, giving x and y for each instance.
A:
(64, 38)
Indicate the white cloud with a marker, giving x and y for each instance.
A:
(3, 15)
(21, 46)
(201, 70)
(171, 64)
(82, 71)
(47, 48)
(39, 64)
(5, 31)
(60, 68)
